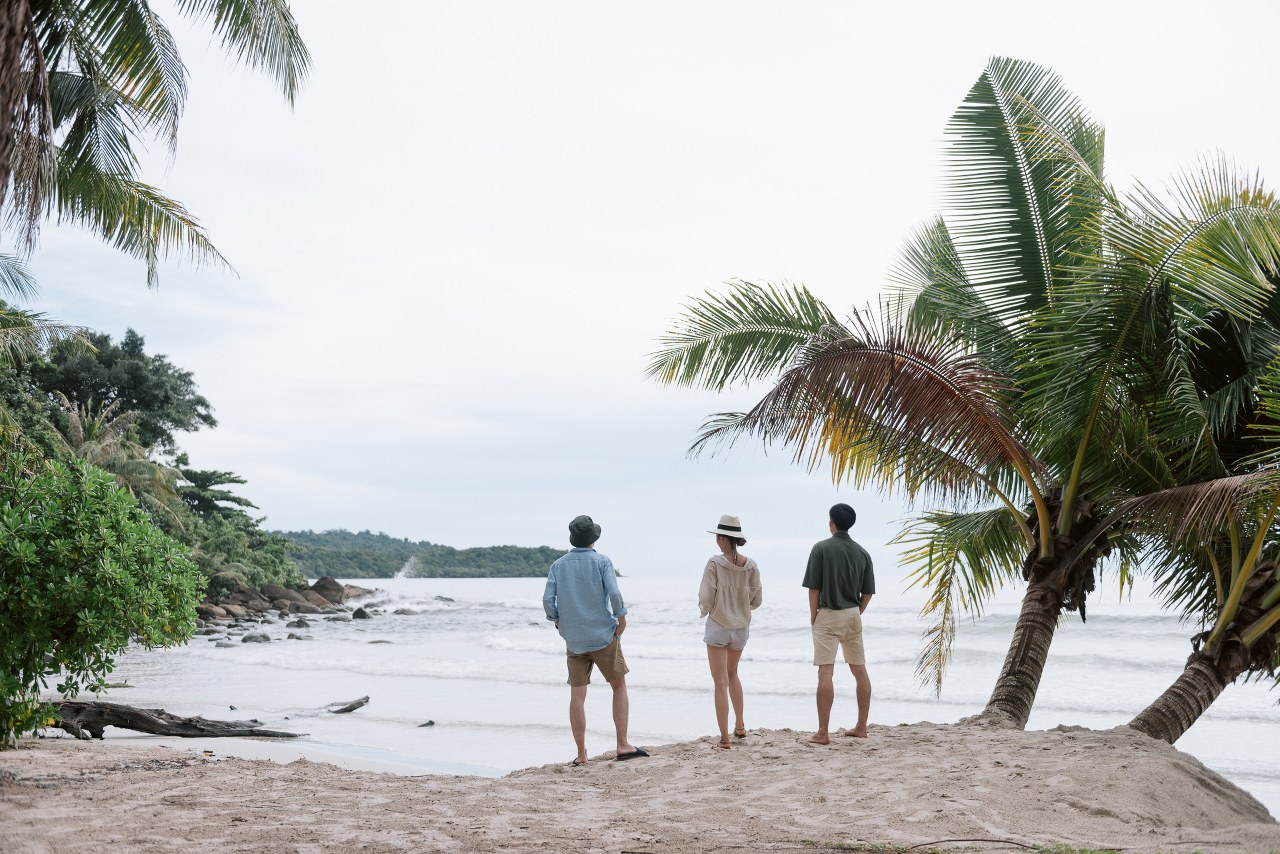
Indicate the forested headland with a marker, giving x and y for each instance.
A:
(343, 554)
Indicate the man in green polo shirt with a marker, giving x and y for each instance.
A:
(840, 582)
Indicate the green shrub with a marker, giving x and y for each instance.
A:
(82, 572)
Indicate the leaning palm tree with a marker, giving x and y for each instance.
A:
(83, 83)
(1017, 367)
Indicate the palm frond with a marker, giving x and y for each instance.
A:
(24, 333)
(888, 397)
(135, 218)
(261, 33)
(15, 279)
(931, 279)
(1191, 516)
(1015, 198)
(961, 559)
(746, 334)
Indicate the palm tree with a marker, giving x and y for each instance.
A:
(1018, 367)
(83, 82)
(102, 438)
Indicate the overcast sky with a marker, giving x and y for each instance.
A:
(453, 257)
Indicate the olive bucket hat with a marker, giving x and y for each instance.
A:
(583, 532)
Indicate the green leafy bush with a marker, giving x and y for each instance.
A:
(82, 572)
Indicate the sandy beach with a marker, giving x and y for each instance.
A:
(908, 785)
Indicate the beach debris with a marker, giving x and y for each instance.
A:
(349, 706)
(379, 641)
(428, 723)
(86, 719)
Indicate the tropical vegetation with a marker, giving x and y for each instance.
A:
(1052, 353)
(120, 409)
(84, 84)
(84, 572)
(343, 554)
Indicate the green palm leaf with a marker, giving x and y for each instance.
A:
(749, 333)
(961, 559)
(260, 33)
(1015, 198)
(889, 397)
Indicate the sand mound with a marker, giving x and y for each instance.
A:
(907, 785)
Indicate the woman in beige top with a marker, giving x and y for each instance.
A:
(730, 591)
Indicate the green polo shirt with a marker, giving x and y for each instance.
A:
(841, 570)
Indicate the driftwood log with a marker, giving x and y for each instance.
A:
(348, 707)
(88, 718)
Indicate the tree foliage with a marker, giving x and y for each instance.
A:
(343, 554)
(84, 84)
(84, 571)
(164, 396)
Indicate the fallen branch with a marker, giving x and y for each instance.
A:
(349, 707)
(84, 719)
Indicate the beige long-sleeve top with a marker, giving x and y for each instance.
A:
(730, 593)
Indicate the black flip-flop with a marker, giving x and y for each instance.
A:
(635, 754)
(576, 764)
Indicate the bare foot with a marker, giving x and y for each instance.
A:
(856, 732)
(820, 739)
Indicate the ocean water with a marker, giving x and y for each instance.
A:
(482, 662)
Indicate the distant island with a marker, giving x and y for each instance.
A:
(343, 554)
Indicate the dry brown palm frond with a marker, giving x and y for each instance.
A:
(889, 396)
(1198, 512)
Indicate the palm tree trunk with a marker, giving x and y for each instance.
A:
(1183, 702)
(1015, 689)
(1052, 588)
(15, 17)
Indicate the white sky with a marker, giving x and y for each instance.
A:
(456, 253)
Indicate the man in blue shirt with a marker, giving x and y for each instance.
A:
(583, 600)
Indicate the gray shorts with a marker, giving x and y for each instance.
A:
(718, 635)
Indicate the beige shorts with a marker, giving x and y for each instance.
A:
(838, 628)
(610, 661)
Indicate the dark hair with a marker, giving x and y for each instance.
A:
(737, 541)
(843, 516)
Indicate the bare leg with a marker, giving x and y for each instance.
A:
(863, 679)
(718, 660)
(735, 692)
(578, 719)
(621, 713)
(826, 697)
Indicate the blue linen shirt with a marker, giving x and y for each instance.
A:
(582, 596)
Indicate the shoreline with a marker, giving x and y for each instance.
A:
(910, 784)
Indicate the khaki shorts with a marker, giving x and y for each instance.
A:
(610, 661)
(838, 628)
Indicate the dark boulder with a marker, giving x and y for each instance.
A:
(330, 589)
(256, 637)
(361, 614)
(354, 592)
(209, 611)
(315, 598)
